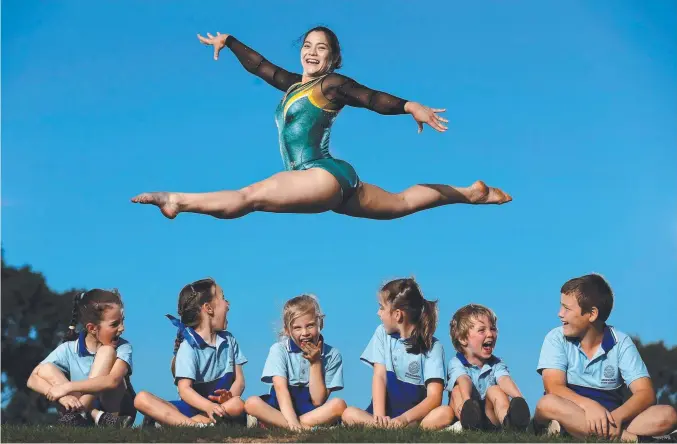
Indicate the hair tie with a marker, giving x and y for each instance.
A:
(71, 327)
(184, 330)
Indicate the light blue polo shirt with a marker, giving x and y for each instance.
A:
(391, 351)
(482, 378)
(210, 367)
(616, 362)
(76, 361)
(285, 359)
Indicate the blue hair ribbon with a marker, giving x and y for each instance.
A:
(184, 329)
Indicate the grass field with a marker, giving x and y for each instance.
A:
(241, 434)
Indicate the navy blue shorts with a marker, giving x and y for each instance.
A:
(300, 399)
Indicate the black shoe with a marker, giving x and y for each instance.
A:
(73, 420)
(672, 437)
(110, 420)
(471, 415)
(149, 422)
(518, 415)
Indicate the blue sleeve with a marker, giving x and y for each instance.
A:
(59, 357)
(239, 357)
(553, 355)
(456, 370)
(374, 353)
(630, 362)
(186, 362)
(434, 366)
(276, 364)
(500, 369)
(124, 352)
(333, 372)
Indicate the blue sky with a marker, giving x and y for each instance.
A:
(569, 106)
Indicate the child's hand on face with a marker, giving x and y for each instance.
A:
(71, 403)
(312, 352)
(220, 396)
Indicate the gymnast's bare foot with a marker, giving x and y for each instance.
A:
(167, 202)
(480, 194)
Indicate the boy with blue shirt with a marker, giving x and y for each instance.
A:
(479, 383)
(584, 365)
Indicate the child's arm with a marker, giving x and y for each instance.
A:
(238, 385)
(284, 400)
(194, 399)
(433, 399)
(317, 386)
(92, 385)
(643, 396)
(36, 383)
(509, 387)
(378, 390)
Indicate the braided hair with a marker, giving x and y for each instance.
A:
(191, 299)
(88, 307)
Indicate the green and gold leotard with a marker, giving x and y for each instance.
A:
(307, 111)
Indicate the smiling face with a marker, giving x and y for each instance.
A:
(111, 326)
(304, 329)
(575, 323)
(482, 337)
(316, 54)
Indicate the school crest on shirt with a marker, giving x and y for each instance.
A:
(413, 371)
(609, 374)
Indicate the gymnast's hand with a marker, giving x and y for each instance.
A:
(423, 114)
(218, 42)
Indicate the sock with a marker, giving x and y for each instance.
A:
(97, 415)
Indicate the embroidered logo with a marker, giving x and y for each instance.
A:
(414, 368)
(609, 375)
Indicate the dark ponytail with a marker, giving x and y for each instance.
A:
(406, 295)
(71, 334)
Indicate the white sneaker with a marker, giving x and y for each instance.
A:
(553, 428)
(252, 422)
(455, 427)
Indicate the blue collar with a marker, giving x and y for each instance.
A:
(191, 336)
(608, 340)
(491, 361)
(82, 345)
(293, 348)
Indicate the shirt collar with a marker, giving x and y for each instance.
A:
(608, 339)
(200, 342)
(82, 345)
(493, 360)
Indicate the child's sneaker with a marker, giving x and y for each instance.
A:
(73, 420)
(471, 415)
(518, 415)
(252, 422)
(150, 423)
(552, 428)
(455, 428)
(672, 437)
(109, 420)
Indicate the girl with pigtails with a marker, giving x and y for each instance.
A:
(408, 362)
(88, 374)
(207, 364)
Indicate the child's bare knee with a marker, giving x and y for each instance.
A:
(106, 352)
(338, 406)
(141, 400)
(349, 415)
(547, 405)
(667, 417)
(251, 403)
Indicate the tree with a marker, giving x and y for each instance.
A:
(34, 319)
(662, 365)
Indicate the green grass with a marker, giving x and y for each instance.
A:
(12, 433)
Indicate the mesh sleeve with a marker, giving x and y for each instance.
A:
(256, 64)
(342, 90)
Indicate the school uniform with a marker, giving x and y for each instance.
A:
(406, 373)
(615, 363)
(285, 359)
(210, 367)
(482, 378)
(75, 361)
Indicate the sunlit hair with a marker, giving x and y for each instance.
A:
(299, 306)
(406, 295)
(463, 321)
